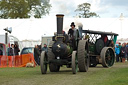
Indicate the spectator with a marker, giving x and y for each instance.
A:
(11, 50)
(117, 51)
(11, 53)
(36, 54)
(39, 48)
(123, 52)
(126, 49)
(120, 52)
(16, 49)
(45, 48)
(1, 52)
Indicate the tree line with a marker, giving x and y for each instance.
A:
(13, 9)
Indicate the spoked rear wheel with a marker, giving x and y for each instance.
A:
(107, 56)
(74, 62)
(43, 62)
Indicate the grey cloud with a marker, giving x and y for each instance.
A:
(106, 8)
(115, 2)
(113, 8)
(63, 7)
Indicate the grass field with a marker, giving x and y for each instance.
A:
(116, 75)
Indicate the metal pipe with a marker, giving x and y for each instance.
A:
(59, 23)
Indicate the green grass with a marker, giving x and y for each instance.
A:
(116, 75)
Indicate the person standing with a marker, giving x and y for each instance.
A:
(126, 49)
(39, 48)
(120, 52)
(72, 31)
(1, 52)
(123, 52)
(16, 52)
(73, 34)
(36, 54)
(11, 54)
(16, 49)
(117, 51)
(11, 50)
(45, 48)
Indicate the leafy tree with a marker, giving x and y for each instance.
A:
(85, 11)
(23, 8)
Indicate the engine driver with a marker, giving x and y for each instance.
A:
(72, 34)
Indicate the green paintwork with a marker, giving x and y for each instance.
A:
(70, 50)
(92, 48)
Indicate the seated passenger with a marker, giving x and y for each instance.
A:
(86, 37)
(111, 43)
(63, 32)
(104, 38)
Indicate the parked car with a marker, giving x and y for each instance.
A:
(27, 50)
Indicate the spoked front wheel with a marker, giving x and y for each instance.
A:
(107, 56)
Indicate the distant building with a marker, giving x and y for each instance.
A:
(122, 40)
(29, 43)
(46, 40)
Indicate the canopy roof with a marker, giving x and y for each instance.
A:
(98, 32)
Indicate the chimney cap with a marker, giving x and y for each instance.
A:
(59, 15)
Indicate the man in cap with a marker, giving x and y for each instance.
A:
(72, 30)
(45, 48)
(73, 34)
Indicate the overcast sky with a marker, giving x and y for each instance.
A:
(104, 8)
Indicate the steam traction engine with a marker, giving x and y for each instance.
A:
(60, 52)
(92, 48)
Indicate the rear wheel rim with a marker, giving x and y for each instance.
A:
(107, 56)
